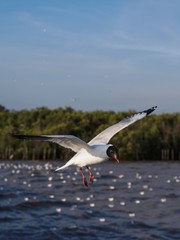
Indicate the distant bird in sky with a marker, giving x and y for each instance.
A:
(96, 151)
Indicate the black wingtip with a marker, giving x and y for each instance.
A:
(150, 110)
(19, 136)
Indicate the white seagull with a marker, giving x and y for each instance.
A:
(96, 151)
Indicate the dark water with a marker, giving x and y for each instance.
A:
(126, 201)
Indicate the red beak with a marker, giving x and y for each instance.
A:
(116, 158)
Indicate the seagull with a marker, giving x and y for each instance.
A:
(95, 151)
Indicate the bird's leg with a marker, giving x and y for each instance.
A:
(84, 178)
(90, 175)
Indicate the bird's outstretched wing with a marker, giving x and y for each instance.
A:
(109, 132)
(67, 141)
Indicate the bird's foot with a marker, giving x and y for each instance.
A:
(91, 178)
(85, 182)
(84, 178)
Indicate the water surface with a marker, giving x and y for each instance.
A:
(126, 201)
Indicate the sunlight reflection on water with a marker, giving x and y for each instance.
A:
(126, 199)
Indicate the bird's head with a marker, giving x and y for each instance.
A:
(112, 152)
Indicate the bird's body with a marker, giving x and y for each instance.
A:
(95, 155)
(96, 151)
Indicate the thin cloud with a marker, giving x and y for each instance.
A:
(29, 19)
(162, 50)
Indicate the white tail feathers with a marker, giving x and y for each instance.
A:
(64, 166)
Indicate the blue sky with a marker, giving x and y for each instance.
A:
(89, 55)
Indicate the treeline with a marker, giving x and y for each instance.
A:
(156, 137)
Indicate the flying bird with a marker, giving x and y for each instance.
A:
(96, 151)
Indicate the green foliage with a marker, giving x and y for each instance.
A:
(153, 138)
